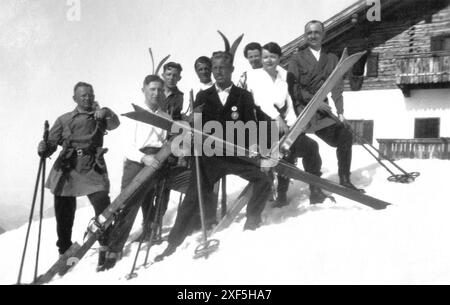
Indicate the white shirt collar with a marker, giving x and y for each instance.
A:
(316, 53)
(223, 94)
(158, 109)
(227, 90)
(206, 86)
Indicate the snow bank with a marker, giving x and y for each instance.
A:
(343, 243)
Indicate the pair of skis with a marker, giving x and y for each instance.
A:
(298, 128)
(283, 168)
(76, 252)
(106, 219)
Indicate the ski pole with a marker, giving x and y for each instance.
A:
(372, 154)
(156, 219)
(41, 211)
(30, 220)
(224, 196)
(404, 178)
(206, 246)
(133, 274)
(33, 204)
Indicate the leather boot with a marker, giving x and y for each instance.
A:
(101, 258)
(111, 260)
(252, 223)
(316, 195)
(167, 252)
(344, 180)
(281, 201)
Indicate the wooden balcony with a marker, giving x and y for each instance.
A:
(438, 148)
(425, 70)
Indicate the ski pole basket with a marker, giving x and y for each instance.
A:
(206, 248)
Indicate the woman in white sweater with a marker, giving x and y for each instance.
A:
(270, 92)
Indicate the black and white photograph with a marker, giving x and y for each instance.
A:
(253, 143)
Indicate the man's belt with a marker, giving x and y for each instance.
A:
(83, 152)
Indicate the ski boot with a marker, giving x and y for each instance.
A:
(102, 258)
(252, 223)
(167, 252)
(344, 180)
(317, 196)
(281, 201)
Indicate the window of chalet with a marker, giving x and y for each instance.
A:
(367, 66)
(363, 128)
(440, 43)
(372, 65)
(427, 128)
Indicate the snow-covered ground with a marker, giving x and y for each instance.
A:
(343, 243)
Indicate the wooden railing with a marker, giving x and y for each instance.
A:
(438, 148)
(425, 68)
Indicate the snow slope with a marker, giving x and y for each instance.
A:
(343, 243)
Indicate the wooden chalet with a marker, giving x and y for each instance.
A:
(399, 93)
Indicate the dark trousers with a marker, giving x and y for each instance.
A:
(177, 179)
(65, 215)
(338, 136)
(211, 170)
(307, 149)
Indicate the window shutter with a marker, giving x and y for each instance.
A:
(372, 65)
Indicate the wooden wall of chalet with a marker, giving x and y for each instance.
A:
(405, 31)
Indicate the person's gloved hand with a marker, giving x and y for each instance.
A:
(283, 128)
(148, 160)
(42, 149)
(100, 114)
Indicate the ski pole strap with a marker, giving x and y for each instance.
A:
(405, 177)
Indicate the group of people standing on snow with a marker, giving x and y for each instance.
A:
(267, 92)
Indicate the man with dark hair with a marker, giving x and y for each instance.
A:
(80, 169)
(316, 22)
(144, 142)
(252, 52)
(223, 102)
(202, 68)
(310, 67)
(173, 101)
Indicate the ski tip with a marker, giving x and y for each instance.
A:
(345, 53)
(128, 114)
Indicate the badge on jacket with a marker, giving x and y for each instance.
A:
(234, 113)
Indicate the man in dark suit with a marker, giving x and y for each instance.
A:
(223, 102)
(310, 67)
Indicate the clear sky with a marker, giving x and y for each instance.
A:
(43, 54)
